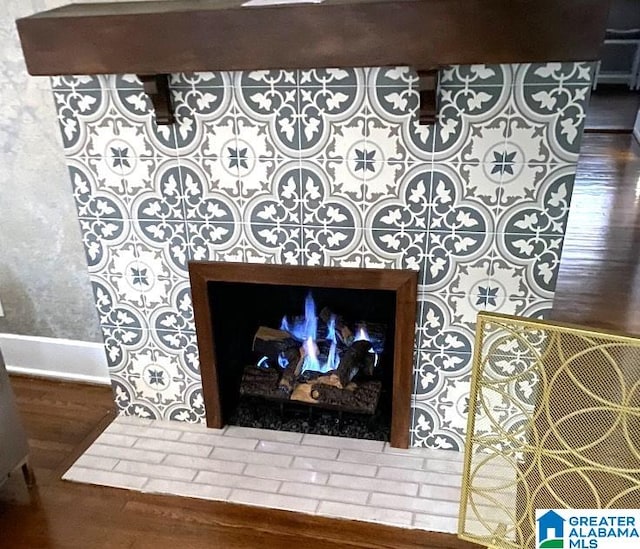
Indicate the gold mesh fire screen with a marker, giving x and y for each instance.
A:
(554, 422)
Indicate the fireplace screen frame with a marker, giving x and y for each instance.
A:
(403, 283)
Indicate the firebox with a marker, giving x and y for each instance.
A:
(318, 350)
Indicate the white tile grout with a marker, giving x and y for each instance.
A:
(403, 462)
(362, 480)
(355, 469)
(266, 446)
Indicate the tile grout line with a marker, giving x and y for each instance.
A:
(280, 483)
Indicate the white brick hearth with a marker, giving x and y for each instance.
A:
(320, 475)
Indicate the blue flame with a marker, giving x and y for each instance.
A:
(376, 357)
(310, 318)
(362, 335)
(311, 361)
(333, 359)
(263, 363)
(305, 329)
(331, 328)
(284, 325)
(283, 361)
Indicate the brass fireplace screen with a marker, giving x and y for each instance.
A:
(554, 423)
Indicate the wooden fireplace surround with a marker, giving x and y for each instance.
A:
(402, 282)
(153, 39)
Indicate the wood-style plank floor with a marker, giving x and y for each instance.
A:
(598, 285)
(612, 108)
(599, 278)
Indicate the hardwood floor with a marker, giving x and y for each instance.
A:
(599, 278)
(598, 285)
(612, 109)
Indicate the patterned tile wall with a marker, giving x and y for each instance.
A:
(322, 167)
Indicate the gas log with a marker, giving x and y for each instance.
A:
(377, 335)
(270, 342)
(344, 333)
(362, 396)
(356, 357)
(280, 357)
(260, 382)
(282, 350)
(325, 391)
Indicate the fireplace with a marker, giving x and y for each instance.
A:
(476, 206)
(323, 168)
(239, 312)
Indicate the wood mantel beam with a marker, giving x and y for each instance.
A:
(200, 35)
(158, 38)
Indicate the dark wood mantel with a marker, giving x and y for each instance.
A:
(153, 39)
(196, 35)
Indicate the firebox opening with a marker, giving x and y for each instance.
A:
(239, 311)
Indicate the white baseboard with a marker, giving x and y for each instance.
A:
(62, 359)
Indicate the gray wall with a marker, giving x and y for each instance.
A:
(44, 285)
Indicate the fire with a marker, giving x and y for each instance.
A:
(333, 360)
(284, 325)
(310, 318)
(314, 345)
(305, 329)
(311, 361)
(283, 362)
(362, 335)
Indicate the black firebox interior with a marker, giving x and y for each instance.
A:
(239, 309)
